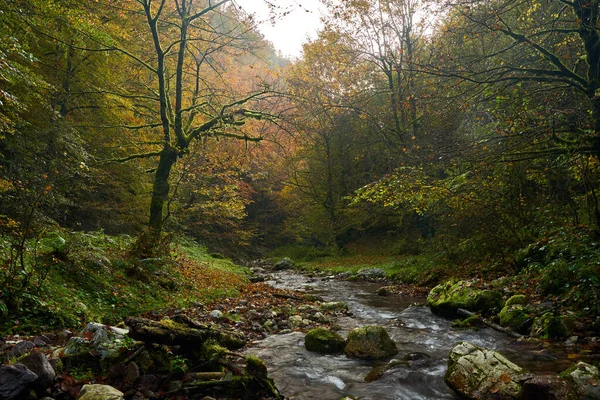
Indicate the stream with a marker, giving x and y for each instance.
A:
(304, 375)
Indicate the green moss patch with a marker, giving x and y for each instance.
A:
(447, 298)
(370, 343)
(322, 340)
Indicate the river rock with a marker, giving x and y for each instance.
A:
(516, 299)
(39, 365)
(99, 343)
(548, 387)
(95, 326)
(100, 392)
(285, 263)
(516, 317)
(447, 298)
(370, 343)
(78, 353)
(319, 317)
(385, 291)
(295, 321)
(322, 340)
(478, 373)
(20, 348)
(14, 379)
(549, 326)
(371, 274)
(586, 378)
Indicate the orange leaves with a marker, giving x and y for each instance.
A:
(203, 278)
(505, 378)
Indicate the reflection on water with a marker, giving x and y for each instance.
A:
(301, 374)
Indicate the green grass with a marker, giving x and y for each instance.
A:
(414, 269)
(92, 277)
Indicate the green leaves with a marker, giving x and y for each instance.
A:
(406, 187)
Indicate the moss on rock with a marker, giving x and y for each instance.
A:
(256, 367)
(585, 377)
(370, 343)
(334, 306)
(515, 317)
(322, 340)
(516, 299)
(549, 326)
(100, 392)
(467, 323)
(445, 299)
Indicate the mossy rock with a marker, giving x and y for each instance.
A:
(467, 323)
(78, 355)
(586, 378)
(155, 359)
(385, 291)
(100, 392)
(370, 343)
(445, 299)
(256, 367)
(515, 317)
(549, 326)
(324, 341)
(516, 299)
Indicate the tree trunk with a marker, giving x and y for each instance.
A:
(160, 189)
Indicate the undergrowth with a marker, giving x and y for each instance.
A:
(92, 276)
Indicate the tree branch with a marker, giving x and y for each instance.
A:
(129, 158)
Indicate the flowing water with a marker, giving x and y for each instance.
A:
(301, 374)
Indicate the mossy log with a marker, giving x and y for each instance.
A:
(172, 333)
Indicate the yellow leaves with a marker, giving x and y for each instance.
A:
(5, 185)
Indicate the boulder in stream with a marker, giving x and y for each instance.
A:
(446, 298)
(284, 264)
(516, 317)
(385, 291)
(324, 341)
(370, 343)
(586, 378)
(478, 373)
